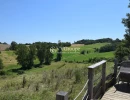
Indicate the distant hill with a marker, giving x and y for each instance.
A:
(4, 47)
(103, 40)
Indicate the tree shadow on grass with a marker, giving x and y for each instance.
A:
(17, 70)
(37, 65)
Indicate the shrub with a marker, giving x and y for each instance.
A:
(1, 64)
(2, 72)
(121, 52)
(69, 73)
(108, 48)
(20, 72)
(82, 52)
(95, 59)
(77, 76)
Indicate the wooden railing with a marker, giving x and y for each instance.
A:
(94, 92)
(90, 77)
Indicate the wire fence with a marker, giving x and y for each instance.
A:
(81, 90)
(96, 80)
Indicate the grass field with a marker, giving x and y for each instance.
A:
(76, 56)
(43, 83)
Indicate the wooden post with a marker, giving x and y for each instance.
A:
(62, 95)
(103, 77)
(115, 70)
(90, 83)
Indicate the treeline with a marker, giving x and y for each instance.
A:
(3, 43)
(90, 41)
(62, 44)
(27, 53)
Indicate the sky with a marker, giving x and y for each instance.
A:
(28, 21)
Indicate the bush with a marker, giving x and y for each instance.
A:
(82, 52)
(95, 59)
(70, 61)
(77, 76)
(20, 72)
(121, 52)
(2, 72)
(1, 64)
(108, 48)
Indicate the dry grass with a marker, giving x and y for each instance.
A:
(4, 47)
(77, 45)
(47, 83)
(8, 57)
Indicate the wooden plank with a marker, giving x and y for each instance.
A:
(97, 64)
(113, 94)
(90, 83)
(98, 93)
(103, 77)
(115, 70)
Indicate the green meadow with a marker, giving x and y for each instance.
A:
(42, 83)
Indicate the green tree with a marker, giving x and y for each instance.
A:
(48, 57)
(13, 45)
(22, 55)
(59, 54)
(25, 55)
(41, 53)
(124, 48)
(121, 52)
(31, 55)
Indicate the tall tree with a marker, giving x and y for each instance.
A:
(41, 52)
(31, 55)
(48, 56)
(22, 54)
(13, 45)
(25, 55)
(124, 48)
(59, 54)
(126, 22)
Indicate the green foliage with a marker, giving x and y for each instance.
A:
(59, 54)
(108, 48)
(124, 48)
(48, 57)
(25, 55)
(41, 52)
(2, 72)
(121, 52)
(31, 55)
(82, 52)
(77, 76)
(1, 64)
(13, 45)
(20, 72)
(88, 41)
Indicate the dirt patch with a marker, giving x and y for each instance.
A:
(77, 45)
(4, 47)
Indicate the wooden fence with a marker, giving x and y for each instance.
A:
(95, 92)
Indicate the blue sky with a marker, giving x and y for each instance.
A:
(27, 21)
